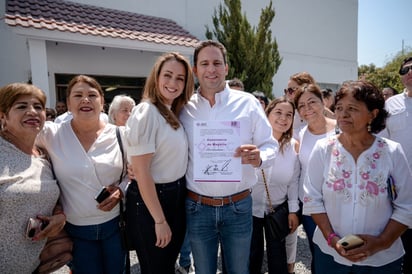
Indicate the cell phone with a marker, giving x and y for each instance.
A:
(350, 241)
(102, 195)
(34, 226)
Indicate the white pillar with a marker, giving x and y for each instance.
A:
(38, 67)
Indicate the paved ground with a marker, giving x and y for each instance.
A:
(302, 258)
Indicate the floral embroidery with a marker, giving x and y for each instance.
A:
(372, 188)
(339, 185)
(370, 181)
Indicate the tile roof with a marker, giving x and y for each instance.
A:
(73, 17)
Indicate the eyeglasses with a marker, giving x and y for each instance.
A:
(290, 90)
(405, 70)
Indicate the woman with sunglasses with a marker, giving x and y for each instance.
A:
(309, 104)
(398, 128)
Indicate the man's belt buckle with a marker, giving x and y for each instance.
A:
(222, 201)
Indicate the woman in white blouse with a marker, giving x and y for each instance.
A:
(358, 183)
(282, 180)
(309, 103)
(86, 157)
(158, 151)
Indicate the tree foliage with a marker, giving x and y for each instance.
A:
(388, 75)
(253, 54)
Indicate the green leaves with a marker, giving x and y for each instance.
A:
(252, 52)
(387, 76)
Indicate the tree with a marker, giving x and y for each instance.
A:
(388, 76)
(253, 54)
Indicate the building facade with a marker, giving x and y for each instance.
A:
(47, 41)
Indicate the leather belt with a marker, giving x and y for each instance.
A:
(218, 201)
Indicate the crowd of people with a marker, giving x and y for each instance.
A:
(198, 171)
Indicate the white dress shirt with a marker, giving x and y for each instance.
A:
(399, 123)
(230, 105)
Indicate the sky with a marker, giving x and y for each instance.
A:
(382, 26)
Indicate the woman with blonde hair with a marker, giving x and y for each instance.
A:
(158, 151)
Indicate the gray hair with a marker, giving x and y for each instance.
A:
(115, 105)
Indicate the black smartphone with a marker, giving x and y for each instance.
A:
(103, 194)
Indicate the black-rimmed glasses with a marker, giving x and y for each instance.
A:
(405, 70)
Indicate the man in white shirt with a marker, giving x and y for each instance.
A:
(220, 211)
(399, 128)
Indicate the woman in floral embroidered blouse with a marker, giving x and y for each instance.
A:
(358, 183)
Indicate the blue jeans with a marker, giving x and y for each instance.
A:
(185, 250)
(275, 250)
(230, 225)
(325, 264)
(97, 249)
(309, 225)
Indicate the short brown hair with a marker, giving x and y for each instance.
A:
(11, 92)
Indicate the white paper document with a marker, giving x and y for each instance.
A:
(215, 143)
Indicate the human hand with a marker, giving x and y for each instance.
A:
(130, 172)
(110, 202)
(163, 234)
(371, 245)
(250, 154)
(54, 223)
(293, 222)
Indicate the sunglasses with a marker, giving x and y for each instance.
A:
(290, 90)
(405, 70)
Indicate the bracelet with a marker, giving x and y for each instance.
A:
(161, 222)
(330, 237)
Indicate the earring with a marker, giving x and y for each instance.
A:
(369, 127)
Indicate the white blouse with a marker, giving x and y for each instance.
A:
(356, 195)
(148, 132)
(282, 179)
(81, 174)
(307, 141)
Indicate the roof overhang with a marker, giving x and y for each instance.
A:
(70, 22)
